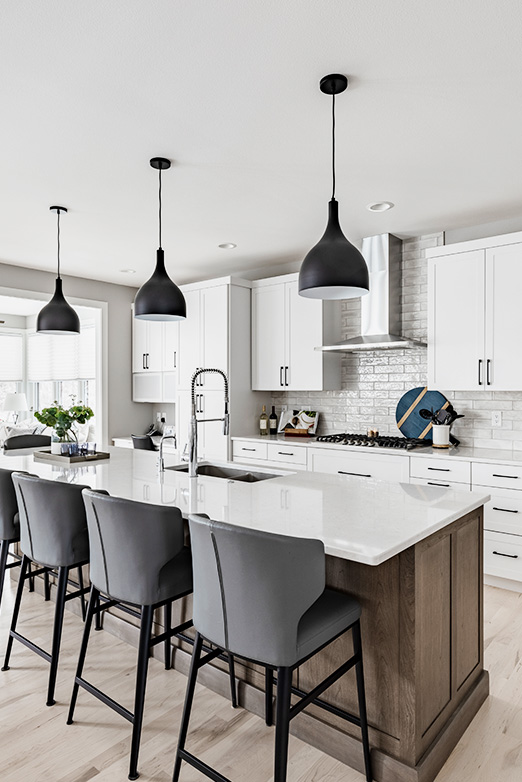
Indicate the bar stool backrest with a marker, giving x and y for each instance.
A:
(53, 527)
(251, 588)
(8, 506)
(130, 543)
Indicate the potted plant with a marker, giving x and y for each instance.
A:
(62, 421)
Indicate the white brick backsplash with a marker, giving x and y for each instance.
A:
(372, 383)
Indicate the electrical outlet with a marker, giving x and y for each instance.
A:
(284, 408)
(158, 417)
(496, 418)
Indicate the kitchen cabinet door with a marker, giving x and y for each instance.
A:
(214, 333)
(304, 321)
(147, 387)
(170, 346)
(139, 344)
(147, 345)
(214, 445)
(189, 340)
(503, 318)
(268, 337)
(456, 322)
(386, 467)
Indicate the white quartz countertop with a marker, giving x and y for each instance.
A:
(367, 522)
(497, 455)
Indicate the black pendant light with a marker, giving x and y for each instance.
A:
(58, 317)
(334, 268)
(159, 298)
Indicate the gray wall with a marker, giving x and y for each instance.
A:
(124, 415)
(373, 383)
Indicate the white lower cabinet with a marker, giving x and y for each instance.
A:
(502, 521)
(441, 482)
(382, 466)
(440, 470)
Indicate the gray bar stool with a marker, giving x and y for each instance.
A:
(53, 534)
(263, 597)
(138, 557)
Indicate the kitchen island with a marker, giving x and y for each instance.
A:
(411, 554)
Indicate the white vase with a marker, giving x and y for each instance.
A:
(441, 435)
(56, 447)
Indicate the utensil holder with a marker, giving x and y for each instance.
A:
(441, 435)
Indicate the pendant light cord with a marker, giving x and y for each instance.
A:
(333, 147)
(58, 242)
(160, 208)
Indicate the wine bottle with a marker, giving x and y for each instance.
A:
(263, 422)
(272, 421)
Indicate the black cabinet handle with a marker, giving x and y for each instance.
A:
(143, 361)
(358, 474)
(147, 361)
(175, 359)
(505, 510)
(488, 364)
(285, 453)
(500, 554)
(446, 485)
(286, 376)
(281, 376)
(480, 371)
(248, 449)
(440, 469)
(497, 475)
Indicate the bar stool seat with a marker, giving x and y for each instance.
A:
(330, 615)
(262, 597)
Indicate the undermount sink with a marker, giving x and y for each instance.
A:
(229, 473)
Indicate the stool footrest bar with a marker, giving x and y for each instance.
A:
(117, 707)
(200, 766)
(170, 633)
(30, 645)
(313, 695)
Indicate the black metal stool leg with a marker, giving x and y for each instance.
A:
(93, 603)
(147, 613)
(16, 610)
(47, 586)
(80, 583)
(63, 572)
(4, 550)
(167, 622)
(357, 648)
(269, 696)
(232, 677)
(189, 697)
(284, 689)
(98, 620)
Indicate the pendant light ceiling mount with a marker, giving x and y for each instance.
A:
(58, 317)
(159, 298)
(334, 268)
(333, 84)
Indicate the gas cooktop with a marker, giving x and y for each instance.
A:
(381, 441)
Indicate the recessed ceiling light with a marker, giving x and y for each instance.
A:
(128, 271)
(380, 206)
(227, 246)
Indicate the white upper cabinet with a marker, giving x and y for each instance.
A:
(203, 336)
(170, 346)
(286, 329)
(147, 345)
(474, 315)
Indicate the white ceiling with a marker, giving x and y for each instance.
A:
(14, 305)
(229, 91)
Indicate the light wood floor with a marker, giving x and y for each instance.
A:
(37, 746)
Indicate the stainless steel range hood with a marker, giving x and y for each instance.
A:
(380, 308)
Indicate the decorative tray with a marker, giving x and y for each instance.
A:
(47, 456)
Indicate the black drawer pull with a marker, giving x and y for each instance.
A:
(446, 485)
(285, 453)
(506, 510)
(500, 554)
(248, 449)
(440, 469)
(496, 475)
(358, 474)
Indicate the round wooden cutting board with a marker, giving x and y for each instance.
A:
(407, 414)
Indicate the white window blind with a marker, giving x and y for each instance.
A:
(11, 356)
(62, 357)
